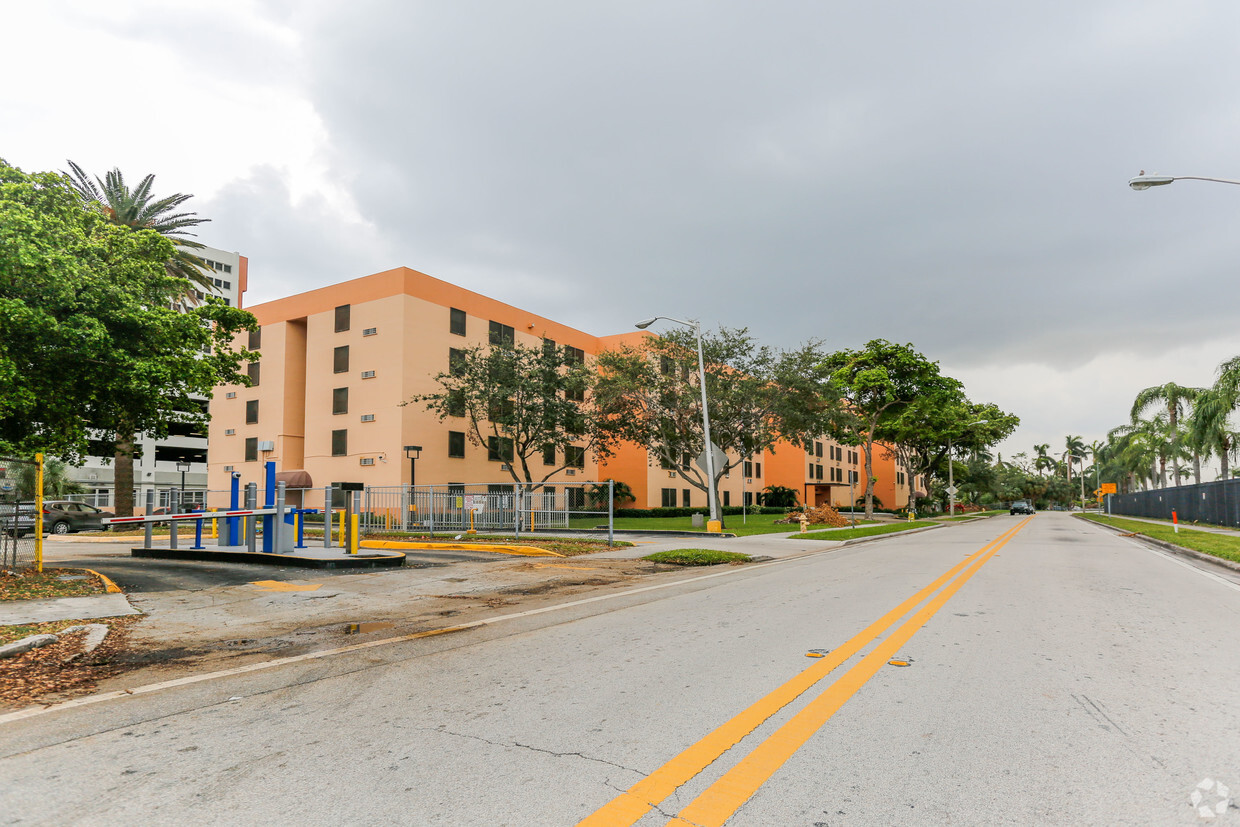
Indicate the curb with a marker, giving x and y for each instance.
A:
(392, 559)
(522, 551)
(890, 534)
(1173, 548)
(108, 585)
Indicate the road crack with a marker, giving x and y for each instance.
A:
(532, 748)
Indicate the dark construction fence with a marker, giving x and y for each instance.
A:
(1216, 503)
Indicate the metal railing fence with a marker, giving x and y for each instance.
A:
(1214, 503)
(21, 513)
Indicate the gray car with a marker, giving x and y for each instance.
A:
(64, 516)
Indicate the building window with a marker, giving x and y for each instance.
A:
(574, 456)
(251, 449)
(727, 497)
(456, 443)
(456, 403)
(340, 443)
(548, 455)
(549, 347)
(256, 339)
(456, 362)
(499, 449)
(747, 469)
(456, 321)
(669, 497)
(342, 318)
(340, 359)
(252, 371)
(818, 472)
(900, 478)
(502, 334)
(665, 365)
(817, 449)
(340, 401)
(684, 493)
(251, 411)
(757, 469)
(574, 356)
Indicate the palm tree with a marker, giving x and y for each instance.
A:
(1175, 399)
(1075, 448)
(135, 208)
(1208, 431)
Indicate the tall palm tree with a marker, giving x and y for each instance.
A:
(1175, 399)
(138, 209)
(1209, 424)
(1075, 449)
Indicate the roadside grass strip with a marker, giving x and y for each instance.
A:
(1223, 546)
(697, 557)
(725, 796)
(855, 533)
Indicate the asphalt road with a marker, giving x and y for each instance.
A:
(1058, 674)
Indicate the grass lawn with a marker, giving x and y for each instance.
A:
(1217, 545)
(697, 557)
(35, 586)
(755, 524)
(869, 531)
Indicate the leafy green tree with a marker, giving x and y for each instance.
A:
(521, 403)
(620, 492)
(877, 386)
(651, 397)
(88, 340)
(56, 482)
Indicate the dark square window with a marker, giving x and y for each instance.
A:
(342, 318)
(575, 390)
(574, 356)
(817, 449)
(251, 411)
(748, 469)
(502, 334)
(574, 456)
(499, 449)
(748, 498)
(669, 497)
(456, 443)
(727, 497)
(340, 359)
(548, 455)
(549, 347)
(256, 339)
(340, 443)
(456, 321)
(251, 449)
(665, 365)
(684, 493)
(456, 403)
(456, 362)
(340, 400)
(757, 469)
(252, 371)
(818, 472)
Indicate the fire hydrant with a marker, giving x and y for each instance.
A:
(804, 523)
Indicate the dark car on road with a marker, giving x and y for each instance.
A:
(17, 519)
(63, 516)
(1021, 507)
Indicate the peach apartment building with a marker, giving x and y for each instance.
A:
(337, 363)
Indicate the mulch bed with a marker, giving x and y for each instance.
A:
(45, 675)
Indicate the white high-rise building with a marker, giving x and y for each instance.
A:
(158, 463)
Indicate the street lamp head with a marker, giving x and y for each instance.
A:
(1144, 182)
(647, 323)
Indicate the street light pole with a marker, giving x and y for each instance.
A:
(710, 454)
(1144, 182)
(182, 467)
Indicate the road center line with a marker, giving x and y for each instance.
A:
(632, 805)
(720, 800)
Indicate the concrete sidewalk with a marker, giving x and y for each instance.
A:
(1212, 529)
(13, 612)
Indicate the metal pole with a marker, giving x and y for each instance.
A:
(951, 482)
(611, 512)
(516, 511)
(710, 454)
(150, 508)
(174, 507)
(278, 523)
(251, 522)
(327, 516)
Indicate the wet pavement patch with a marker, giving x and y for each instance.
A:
(366, 628)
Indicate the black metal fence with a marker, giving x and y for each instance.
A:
(1215, 503)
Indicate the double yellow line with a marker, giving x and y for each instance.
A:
(723, 798)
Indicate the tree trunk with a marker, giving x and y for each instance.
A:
(1196, 468)
(1175, 439)
(122, 475)
(869, 478)
(1223, 459)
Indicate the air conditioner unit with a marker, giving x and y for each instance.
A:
(230, 395)
(266, 445)
(228, 468)
(368, 417)
(505, 467)
(368, 374)
(570, 473)
(368, 460)
(370, 331)
(230, 432)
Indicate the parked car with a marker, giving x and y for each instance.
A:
(1021, 507)
(64, 516)
(17, 519)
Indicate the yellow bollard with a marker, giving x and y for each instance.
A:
(214, 535)
(714, 526)
(353, 541)
(296, 523)
(342, 528)
(471, 523)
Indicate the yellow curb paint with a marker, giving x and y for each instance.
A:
(108, 585)
(277, 586)
(523, 551)
(643, 796)
(714, 806)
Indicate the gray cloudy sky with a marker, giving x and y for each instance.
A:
(949, 174)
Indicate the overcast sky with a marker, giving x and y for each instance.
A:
(948, 174)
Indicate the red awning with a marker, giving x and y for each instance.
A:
(295, 479)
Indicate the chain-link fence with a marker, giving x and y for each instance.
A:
(1215, 503)
(21, 513)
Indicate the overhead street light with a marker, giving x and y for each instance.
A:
(1144, 182)
(696, 327)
